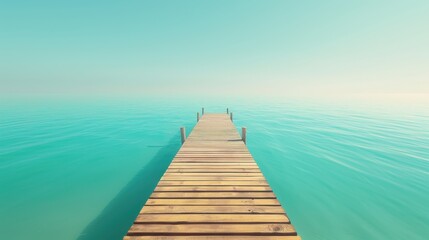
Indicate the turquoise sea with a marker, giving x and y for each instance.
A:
(83, 169)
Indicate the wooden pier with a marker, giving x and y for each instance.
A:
(213, 189)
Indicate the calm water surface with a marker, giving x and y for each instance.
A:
(82, 170)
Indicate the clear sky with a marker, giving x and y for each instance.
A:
(269, 48)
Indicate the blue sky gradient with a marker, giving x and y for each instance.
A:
(303, 49)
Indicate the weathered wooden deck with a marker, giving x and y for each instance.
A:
(213, 189)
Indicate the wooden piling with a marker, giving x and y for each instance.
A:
(183, 134)
(243, 134)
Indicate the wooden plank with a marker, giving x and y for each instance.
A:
(205, 160)
(212, 202)
(213, 189)
(209, 178)
(214, 195)
(216, 183)
(218, 151)
(214, 170)
(210, 156)
(225, 229)
(205, 237)
(215, 174)
(206, 166)
(225, 155)
(212, 209)
(211, 218)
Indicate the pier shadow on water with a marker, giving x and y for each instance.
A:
(116, 218)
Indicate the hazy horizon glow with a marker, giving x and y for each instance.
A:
(302, 49)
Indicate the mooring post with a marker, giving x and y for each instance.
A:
(227, 110)
(198, 116)
(202, 111)
(183, 134)
(243, 134)
(231, 116)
